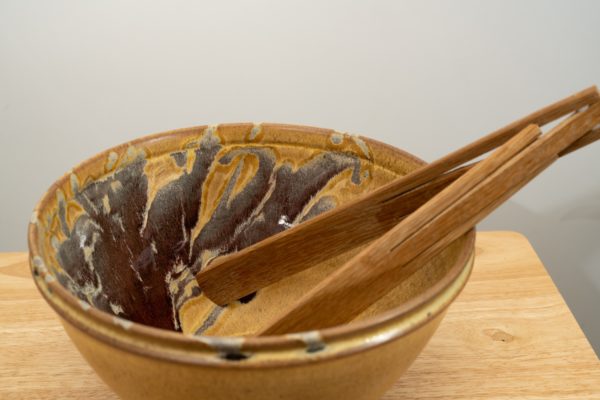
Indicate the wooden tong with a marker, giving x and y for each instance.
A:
(447, 216)
(238, 274)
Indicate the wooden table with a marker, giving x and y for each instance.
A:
(509, 335)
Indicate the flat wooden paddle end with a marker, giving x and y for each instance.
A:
(212, 280)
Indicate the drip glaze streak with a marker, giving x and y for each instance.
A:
(160, 235)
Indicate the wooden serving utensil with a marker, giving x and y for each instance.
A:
(233, 276)
(386, 262)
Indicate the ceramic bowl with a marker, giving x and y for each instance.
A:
(115, 243)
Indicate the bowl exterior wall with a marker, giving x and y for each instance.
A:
(365, 375)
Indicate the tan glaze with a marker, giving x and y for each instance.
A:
(230, 277)
(140, 361)
(401, 251)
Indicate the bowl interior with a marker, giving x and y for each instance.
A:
(127, 230)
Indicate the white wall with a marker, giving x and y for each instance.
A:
(77, 77)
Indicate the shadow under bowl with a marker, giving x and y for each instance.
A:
(115, 245)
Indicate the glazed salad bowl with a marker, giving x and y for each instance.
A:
(115, 245)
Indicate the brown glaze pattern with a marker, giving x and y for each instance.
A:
(131, 241)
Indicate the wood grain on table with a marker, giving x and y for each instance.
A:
(508, 335)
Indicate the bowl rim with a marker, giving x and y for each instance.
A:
(125, 334)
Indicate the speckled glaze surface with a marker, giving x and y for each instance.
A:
(116, 242)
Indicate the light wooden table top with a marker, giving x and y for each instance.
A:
(508, 335)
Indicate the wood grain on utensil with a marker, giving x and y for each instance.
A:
(378, 268)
